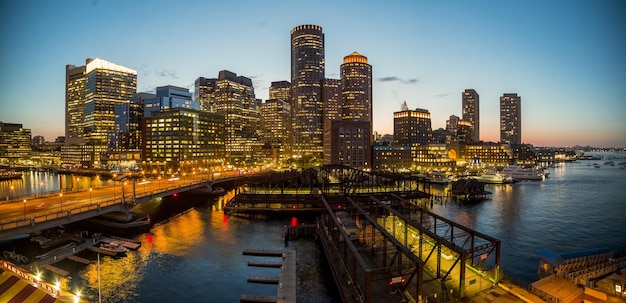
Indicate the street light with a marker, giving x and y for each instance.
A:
(90, 189)
(61, 198)
(24, 208)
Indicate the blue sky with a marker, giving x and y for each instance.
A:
(567, 59)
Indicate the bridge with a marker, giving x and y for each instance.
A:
(39, 213)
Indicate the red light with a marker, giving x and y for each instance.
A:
(294, 207)
(149, 238)
(390, 283)
(224, 219)
(294, 221)
(339, 206)
(175, 194)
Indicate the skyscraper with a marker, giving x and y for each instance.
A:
(356, 88)
(92, 92)
(275, 125)
(235, 100)
(307, 72)
(511, 119)
(470, 100)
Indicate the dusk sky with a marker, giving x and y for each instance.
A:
(566, 59)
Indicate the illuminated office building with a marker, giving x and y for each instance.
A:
(331, 100)
(411, 127)
(276, 126)
(204, 90)
(235, 100)
(356, 88)
(470, 102)
(170, 96)
(281, 90)
(307, 72)
(128, 122)
(92, 92)
(180, 141)
(511, 119)
(15, 143)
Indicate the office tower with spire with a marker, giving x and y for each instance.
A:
(511, 119)
(411, 127)
(307, 72)
(470, 103)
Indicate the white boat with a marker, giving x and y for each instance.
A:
(493, 178)
(519, 173)
(113, 246)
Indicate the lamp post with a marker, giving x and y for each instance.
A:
(61, 198)
(11, 195)
(24, 208)
(90, 189)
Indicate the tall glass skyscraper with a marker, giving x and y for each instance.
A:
(511, 119)
(470, 103)
(356, 88)
(307, 72)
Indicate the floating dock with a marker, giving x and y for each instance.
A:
(263, 299)
(263, 253)
(79, 259)
(130, 244)
(56, 270)
(263, 280)
(265, 264)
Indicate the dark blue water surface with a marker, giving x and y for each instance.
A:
(577, 207)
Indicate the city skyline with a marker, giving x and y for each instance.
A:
(566, 59)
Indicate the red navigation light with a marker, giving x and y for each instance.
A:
(294, 207)
(294, 221)
(339, 206)
(175, 194)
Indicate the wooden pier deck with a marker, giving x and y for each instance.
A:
(265, 264)
(287, 285)
(123, 242)
(286, 292)
(264, 280)
(56, 270)
(79, 259)
(261, 299)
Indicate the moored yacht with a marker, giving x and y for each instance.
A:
(519, 173)
(493, 178)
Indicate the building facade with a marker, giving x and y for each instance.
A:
(307, 72)
(92, 93)
(275, 126)
(471, 113)
(177, 140)
(281, 90)
(356, 88)
(348, 143)
(331, 100)
(511, 119)
(391, 158)
(204, 88)
(15, 143)
(235, 100)
(411, 127)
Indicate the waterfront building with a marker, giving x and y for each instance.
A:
(524, 154)
(545, 156)
(470, 103)
(204, 88)
(307, 72)
(281, 90)
(15, 143)
(511, 119)
(275, 124)
(128, 123)
(234, 99)
(92, 92)
(348, 143)
(411, 126)
(356, 88)
(433, 155)
(460, 129)
(391, 158)
(331, 100)
(174, 137)
(488, 153)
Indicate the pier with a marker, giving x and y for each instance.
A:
(286, 281)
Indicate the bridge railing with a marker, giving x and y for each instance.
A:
(94, 205)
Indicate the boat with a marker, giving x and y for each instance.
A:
(493, 178)
(519, 173)
(114, 247)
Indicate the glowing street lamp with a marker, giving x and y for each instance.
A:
(61, 198)
(24, 208)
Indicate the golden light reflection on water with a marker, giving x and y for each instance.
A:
(221, 227)
(118, 276)
(178, 235)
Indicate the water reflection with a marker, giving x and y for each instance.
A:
(118, 277)
(179, 235)
(34, 183)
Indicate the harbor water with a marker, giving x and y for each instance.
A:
(196, 256)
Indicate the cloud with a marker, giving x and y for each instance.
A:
(397, 79)
(167, 74)
(443, 95)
